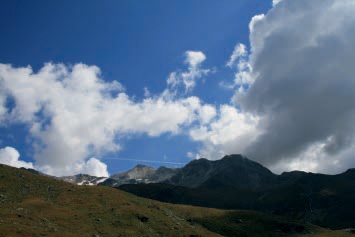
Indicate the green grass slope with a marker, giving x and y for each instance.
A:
(33, 205)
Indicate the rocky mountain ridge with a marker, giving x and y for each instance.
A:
(83, 179)
(194, 174)
(136, 175)
(235, 182)
(141, 174)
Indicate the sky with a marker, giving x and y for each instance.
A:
(99, 87)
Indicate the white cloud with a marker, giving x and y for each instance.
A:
(240, 60)
(187, 79)
(194, 58)
(315, 159)
(146, 92)
(239, 51)
(303, 82)
(230, 132)
(275, 2)
(297, 108)
(191, 155)
(206, 113)
(255, 20)
(3, 109)
(91, 166)
(95, 167)
(10, 156)
(73, 114)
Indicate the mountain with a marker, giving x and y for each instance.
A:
(233, 170)
(36, 205)
(235, 182)
(140, 174)
(83, 179)
(136, 175)
(79, 179)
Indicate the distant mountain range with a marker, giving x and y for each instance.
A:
(235, 182)
(137, 175)
(241, 172)
(79, 179)
(37, 205)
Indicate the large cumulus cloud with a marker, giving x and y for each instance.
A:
(302, 59)
(73, 114)
(294, 101)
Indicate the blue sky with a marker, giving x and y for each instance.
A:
(140, 45)
(137, 43)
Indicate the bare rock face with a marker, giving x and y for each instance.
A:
(141, 174)
(83, 179)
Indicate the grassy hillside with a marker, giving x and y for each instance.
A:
(33, 205)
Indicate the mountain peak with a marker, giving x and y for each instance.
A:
(83, 179)
(239, 158)
(241, 162)
(143, 174)
(234, 156)
(140, 166)
(235, 170)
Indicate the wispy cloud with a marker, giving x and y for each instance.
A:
(240, 51)
(183, 82)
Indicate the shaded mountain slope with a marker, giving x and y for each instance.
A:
(235, 182)
(34, 205)
(233, 170)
